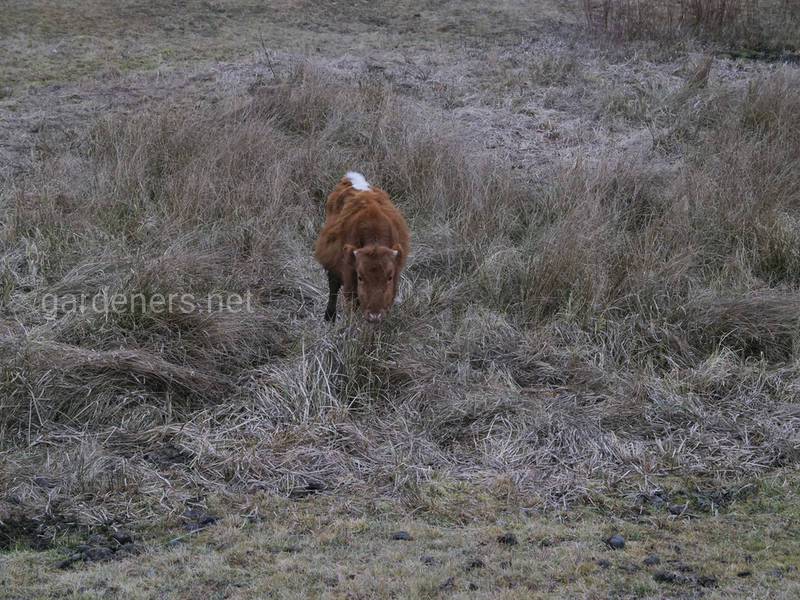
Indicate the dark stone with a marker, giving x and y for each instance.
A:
(603, 563)
(428, 560)
(198, 519)
(168, 455)
(475, 563)
(707, 581)
(130, 549)
(402, 536)
(704, 504)
(657, 498)
(448, 584)
(472, 586)
(509, 539)
(615, 542)
(208, 519)
(652, 560)
(122, 537)
(193, 513)
(671, 577)
(678, 509)
(98, 554)
(777, 573)
(506, 564)
(745, 573)
(310, 488)
(665, 577)
(69, 561)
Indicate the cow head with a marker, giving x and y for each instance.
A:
(377, 270)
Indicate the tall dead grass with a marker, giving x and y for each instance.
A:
(751, 23)
(613, 325)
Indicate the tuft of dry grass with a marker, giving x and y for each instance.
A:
(593, 332)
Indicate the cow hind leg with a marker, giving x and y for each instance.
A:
(334, 283)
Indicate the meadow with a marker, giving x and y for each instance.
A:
(597, 334)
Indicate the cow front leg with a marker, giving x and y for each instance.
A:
(334, 283)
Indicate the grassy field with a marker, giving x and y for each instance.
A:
(346, 548)
(597, 332)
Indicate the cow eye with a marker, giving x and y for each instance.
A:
(360, 278)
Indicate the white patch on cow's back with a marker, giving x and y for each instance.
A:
(357, 180)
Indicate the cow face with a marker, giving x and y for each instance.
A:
(377, 270)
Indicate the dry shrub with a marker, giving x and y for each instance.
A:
(741, 197)
(608, 326)
(753, 23)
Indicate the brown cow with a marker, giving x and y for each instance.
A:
(363, 247)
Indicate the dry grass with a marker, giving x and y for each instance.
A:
(592, 333)
(52, 41)
(599, 322)
(752, 23)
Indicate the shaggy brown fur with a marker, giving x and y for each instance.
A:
(363, 246)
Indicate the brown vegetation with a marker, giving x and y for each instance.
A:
(631, 319)
(601, 307)
(752, 23)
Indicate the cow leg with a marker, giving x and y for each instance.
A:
(334, 283)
